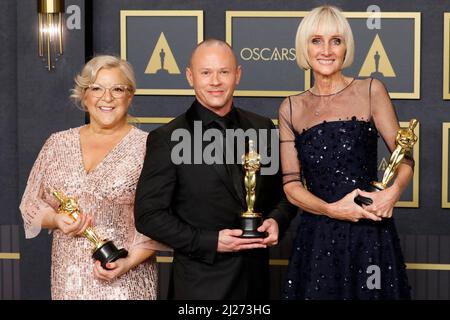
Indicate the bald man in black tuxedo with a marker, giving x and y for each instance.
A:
(196, 208)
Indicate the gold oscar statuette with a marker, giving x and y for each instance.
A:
(250, 220)
(104, 250)
(404, 141)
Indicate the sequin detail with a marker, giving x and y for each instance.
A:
(107, 193)
(330, 258)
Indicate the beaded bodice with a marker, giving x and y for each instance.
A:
(337, 157)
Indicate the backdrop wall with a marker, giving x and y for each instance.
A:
(36, 104)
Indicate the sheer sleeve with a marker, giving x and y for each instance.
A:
(144, 242)
(290, 164)
(32, 206)
(384, 117)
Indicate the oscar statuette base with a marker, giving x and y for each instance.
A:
(108, 252)
(360, 200)
(249, 226)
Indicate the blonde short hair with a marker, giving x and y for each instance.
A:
(328, 20)
(90, 71)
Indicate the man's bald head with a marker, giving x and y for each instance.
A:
(212, 42)
(213, 73)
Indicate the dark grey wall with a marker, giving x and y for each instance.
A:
(415, 225)
(8, 114)
(9, 241)
(36, 104)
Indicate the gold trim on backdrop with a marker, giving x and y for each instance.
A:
(417, 27)
(163, 92)
(446, 57)
(284, 262)
(428, 266)
(445, 131)
(388, 15)
(150, 120)
(158, 13)
(417, 55)
(9, 256)
(163, 120)
(268, 93)
(414, 203)
(164, 259)
(264, 14)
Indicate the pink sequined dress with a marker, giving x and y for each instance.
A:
(107, 193)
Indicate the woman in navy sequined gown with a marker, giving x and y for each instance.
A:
(329, 155)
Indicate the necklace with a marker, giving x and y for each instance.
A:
(324, 104)
(326, 99)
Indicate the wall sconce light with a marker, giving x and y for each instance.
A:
(50, 21)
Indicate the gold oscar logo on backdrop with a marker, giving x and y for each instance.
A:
(377, 63)
(162, 60)
(268, 54)
(383, 164)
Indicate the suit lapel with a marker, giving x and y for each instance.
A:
(221, 171)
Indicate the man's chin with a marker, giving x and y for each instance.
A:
(216, 104)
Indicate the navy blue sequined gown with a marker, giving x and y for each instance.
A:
(335, 259)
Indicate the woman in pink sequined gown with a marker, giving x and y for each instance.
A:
(98, 164)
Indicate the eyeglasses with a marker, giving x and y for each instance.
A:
(117, 91)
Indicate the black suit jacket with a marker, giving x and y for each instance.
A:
(186, 205)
